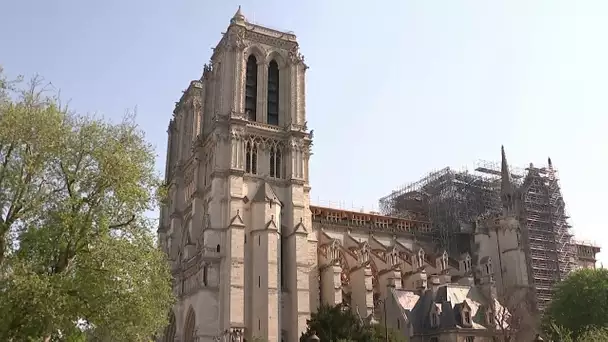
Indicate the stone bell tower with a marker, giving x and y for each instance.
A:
(245, 191)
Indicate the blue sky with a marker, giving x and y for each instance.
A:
(395, 88)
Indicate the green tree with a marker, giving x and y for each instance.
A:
(594, 335)
(332, 323)
(340, 324)
(77, 252)
(591, 334)
(580, 303)
(379, 334)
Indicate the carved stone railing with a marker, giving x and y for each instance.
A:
(264, 126)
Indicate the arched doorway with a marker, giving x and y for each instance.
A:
(189, 327)
(169, 335)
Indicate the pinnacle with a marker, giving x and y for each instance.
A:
(238, 17)
(506, 175)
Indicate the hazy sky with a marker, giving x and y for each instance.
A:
(395, 89)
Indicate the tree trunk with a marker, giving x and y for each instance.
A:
(2, 249)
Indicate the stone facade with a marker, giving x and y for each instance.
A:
(251, 258)
(237, 225)
(388, 269)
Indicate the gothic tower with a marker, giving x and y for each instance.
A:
(501, 238)
(511, 249)
(237, 223)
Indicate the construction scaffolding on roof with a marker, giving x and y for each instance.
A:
(454, 201)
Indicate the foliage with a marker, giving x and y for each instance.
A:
(580, 303)
(76, 249)
(558, 333)
(594, 335)
(339, 323)
(591, 334)
(331, 323)
(379, 334)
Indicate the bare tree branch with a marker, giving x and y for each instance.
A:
(124, 224)
(515, 320)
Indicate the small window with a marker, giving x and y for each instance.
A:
(469, 339)
(275, 162)
(205, 274)
(434, 320)
(251, 158)
(259, 281)
(467, 317)
(217, 248)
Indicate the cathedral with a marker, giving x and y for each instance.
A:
(252, 259)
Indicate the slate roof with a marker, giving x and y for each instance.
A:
(448, 303)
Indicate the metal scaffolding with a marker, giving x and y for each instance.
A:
(552, 251)
(455, 200)
(452, 200)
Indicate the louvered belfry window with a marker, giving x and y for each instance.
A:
(251, 88)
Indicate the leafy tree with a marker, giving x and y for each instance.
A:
(332, 323)
(379, 334)
(591, 334)
(594, 335)
(580, 303)
(340, 324)
(77, 253)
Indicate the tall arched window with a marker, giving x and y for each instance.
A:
(251, 87)
(275, 162)
(251, 158)
(170, 329)
(189, 328)
(273, 93)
